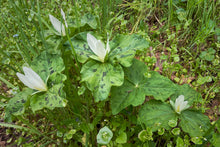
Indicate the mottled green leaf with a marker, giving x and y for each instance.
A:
(16, 105)
(88, 19)
(81, 47)
(51, 99)
(137, 86)
(49, 67)
(46, 64)
(189, 93)
(124, 47)
(156, 115)
(195, 123)
(99, 78)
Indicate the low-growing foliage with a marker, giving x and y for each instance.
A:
(148, 84)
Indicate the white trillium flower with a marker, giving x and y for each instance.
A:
(180, 104)
(98, 47)
(58, 26)
(31, 79)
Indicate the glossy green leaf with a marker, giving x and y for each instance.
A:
(137, 86)
(189, 93)
(156, 115)
(194, 123)
(99, 78)
(16, 105)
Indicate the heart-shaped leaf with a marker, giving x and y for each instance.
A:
(99, 78)
(136, 86)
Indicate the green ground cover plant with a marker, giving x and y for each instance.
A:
(110, 73)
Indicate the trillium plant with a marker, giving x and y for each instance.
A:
(98, 48)
(58, 26)
(83, 86)
(32, 79)
(179, 104)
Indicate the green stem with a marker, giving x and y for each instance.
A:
(74, 52)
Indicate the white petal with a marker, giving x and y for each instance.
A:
(101, 52)
(24, 80)
(59, 27)
(184, 105)
(64, 17)
(34, 79)
(180, 100)
(92, 42)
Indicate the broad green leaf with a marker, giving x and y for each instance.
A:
(81, 47)
(189, 93)
(132, 92)
(159, 86)
(50, 99)
(216, 139)
(122, 138)
(156, 115)
(137, 86)
(99, 78)
(88, 19)
(194, 123)
(16, 105)
(124, 47)
(49, 68)
(46, 64)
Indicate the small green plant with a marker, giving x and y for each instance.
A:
(90, 80)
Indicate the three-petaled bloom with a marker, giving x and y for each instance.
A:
(58, 26)
(31, 79)
(180, 104)
(97, 47)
